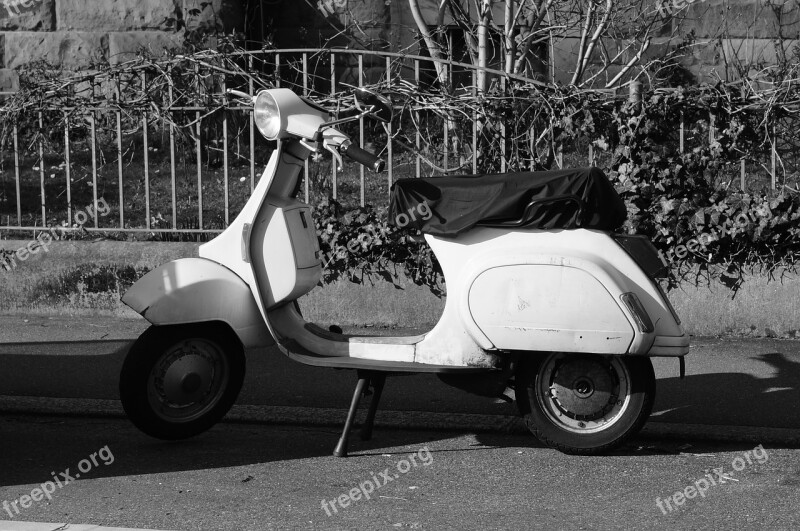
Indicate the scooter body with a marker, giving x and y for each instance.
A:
(516, 297)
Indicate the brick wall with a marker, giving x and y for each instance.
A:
(73, 33)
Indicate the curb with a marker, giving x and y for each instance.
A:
(11, 525)
(411, 420)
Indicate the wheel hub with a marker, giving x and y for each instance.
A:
(584, 388)
(582, 393)
(191, 382)
(186, 378)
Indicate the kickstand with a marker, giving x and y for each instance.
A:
(365, 378)
(377, 380)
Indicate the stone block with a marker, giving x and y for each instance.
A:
(430, 11)
(9, 80)
(220, 15)
(630, 16)
(124, 46)
(754, 54)
(368, 22)
(70, 50)
(738, 18)
(27, 15)
(116, 15)
(565, 57)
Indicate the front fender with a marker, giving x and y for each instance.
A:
(194, 290)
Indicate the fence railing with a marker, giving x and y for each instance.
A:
(171, 156)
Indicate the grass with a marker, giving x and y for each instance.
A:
(87, 278)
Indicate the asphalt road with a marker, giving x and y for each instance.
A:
(259, 477)
(739, 382)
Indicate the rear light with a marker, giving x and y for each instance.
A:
(634, 305)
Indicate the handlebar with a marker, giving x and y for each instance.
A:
(364, 157)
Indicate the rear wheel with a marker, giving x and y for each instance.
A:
(178, 381)
(585, 404)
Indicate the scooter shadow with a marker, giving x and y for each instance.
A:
(34, 448)
(734, 399)
(37, 447)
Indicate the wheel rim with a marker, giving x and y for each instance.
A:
(188, 380)
(583, 394)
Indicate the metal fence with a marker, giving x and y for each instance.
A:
(188, 164)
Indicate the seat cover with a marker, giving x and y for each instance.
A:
(448, 206)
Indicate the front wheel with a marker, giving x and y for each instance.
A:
(178, 381)
(585, 404)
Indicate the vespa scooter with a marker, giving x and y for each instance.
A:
(544, 300)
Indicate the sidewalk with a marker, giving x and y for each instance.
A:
(7, 525)
(39, 329)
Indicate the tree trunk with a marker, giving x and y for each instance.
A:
(483, 37)
(509, 36)
(433, 47)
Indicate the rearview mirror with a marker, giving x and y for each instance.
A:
(379, 107)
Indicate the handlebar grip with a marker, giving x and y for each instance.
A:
(365, 157)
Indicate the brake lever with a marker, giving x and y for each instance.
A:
(334, 140)
(334, 149)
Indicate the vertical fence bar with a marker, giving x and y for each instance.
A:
(41, 171)
(742, 177)
(198, 148)
(712, 128)
(94, 150)
(446, 126)
(251, 88)
(389, 151)
(334, 183)
(474, 124)
(277, 70)
(560, 155)
(503, 146)
(225, 158)
(305, 93)
(774, 153)
(16, 175)
(119, 159)
(361, 130)
(172, 156)
(68, 169)
(591, 154)
(417, 136)
(146, 157)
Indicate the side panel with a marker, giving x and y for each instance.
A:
(285, 249)
(466, 259)
(193, 290)
(555, 308)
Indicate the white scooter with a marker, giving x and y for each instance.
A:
(544, 301)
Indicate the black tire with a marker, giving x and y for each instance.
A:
(178, 381)
(585, 404)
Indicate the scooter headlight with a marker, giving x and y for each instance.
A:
(267, 115)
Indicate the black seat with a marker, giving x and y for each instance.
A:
(562, 199)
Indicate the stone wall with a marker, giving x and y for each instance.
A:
(75, 33)
(727, 34)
